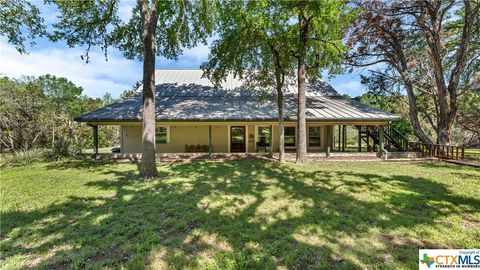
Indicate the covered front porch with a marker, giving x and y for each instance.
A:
(247, 137)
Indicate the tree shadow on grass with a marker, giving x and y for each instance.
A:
(238, 215)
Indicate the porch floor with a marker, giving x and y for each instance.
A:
(220, 157)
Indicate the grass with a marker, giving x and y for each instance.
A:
(235, 215)
(472, 153)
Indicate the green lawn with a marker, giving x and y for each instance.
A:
(235, 215)
(472, 153)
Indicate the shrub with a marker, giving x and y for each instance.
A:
(66, 148)
(23, 157)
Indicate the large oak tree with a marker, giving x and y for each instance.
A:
(267, 38)
(429, 49)
(318, 27)
(253, 44)
(156, 28)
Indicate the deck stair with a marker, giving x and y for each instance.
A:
(395, 141)
(399, 146)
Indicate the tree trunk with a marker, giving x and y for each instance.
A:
(413, 114)
(281, 125)
(302, 75)
(443, 135)
(149, 20)
(53, 135)
(402, 68)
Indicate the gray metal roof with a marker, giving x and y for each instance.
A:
(183, 95)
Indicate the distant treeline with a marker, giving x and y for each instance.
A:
(38, 112)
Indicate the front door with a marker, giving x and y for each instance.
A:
(237, 139)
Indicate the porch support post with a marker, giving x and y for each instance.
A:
(339, 138)
(359, 138)
(209, 140)
(368, 138)
(328, 141)
(271, 140)
(344, 138)
(380, 140)
(95, 140)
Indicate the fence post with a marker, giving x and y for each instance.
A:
(463, 153)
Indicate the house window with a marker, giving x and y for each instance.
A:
(290, 136)
(263, 136)
(314, 136)
(162, 135)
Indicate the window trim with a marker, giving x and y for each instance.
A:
(229, 138)
(168, 134)
(321, 137)
(257, 135)
(296, 135)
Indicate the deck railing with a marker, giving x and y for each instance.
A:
(439, 150)
(428, 150)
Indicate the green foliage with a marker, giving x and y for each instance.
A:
(427, 51)
(66, 148)
(22, 157)
(85, 23)
(130, 92)
(96, 23)
(62, 94)
(252, 43)
(328, 21)
(24, 113)
(107, 99)
(258, 37)
(394, 103)
(235, 215)
(18, 18)
(38, 112)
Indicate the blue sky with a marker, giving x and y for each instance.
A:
(117, 74)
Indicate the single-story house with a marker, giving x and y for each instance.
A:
(192, 115)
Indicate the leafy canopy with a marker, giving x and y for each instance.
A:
(253, 42)
(181, 24)
(20, 21)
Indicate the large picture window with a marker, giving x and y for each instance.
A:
(290, 136)
(314, 136)
(161, 135)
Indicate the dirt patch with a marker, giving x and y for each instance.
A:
(471, 224)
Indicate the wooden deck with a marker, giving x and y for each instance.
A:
(473, 163)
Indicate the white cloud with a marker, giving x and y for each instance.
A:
(96, 77)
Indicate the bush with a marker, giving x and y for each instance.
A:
(65, 148)
(23, 157)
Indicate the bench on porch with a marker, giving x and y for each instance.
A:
(196, 148)
(263, 146)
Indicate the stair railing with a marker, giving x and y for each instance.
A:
(398, 137)
(428, 150)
